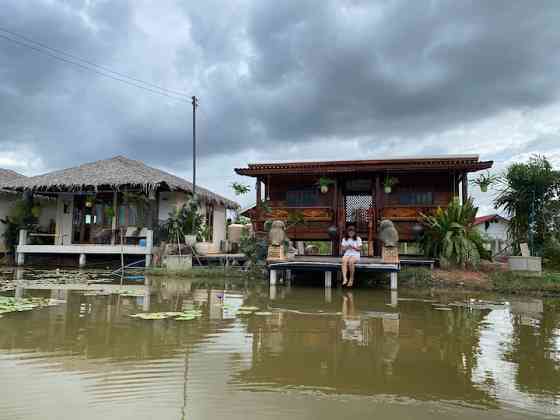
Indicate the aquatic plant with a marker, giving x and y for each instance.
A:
(12, 304)
(186, 315)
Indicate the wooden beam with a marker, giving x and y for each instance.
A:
(464, 187)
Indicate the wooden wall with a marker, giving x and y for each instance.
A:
(324, 213)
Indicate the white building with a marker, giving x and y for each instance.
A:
(100, 202)
(494, 228)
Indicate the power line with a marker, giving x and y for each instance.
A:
(94, 68)
(91, 63)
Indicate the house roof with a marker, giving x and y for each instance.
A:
(113, 173)
(489, 218)
(463, 163)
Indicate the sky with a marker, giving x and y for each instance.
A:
(280, 81)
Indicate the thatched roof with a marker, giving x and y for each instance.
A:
(7, 175)
(116, 173)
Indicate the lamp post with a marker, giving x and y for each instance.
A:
(195, 205)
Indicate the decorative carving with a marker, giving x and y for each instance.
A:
(309, 214)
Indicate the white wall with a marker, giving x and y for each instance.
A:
(64, 220)
(496, 234)
(174, 199)
(219, 233)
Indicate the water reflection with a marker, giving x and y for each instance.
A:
(358, 344)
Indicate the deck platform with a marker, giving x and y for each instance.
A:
(321, 263)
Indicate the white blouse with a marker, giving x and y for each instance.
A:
(352, 242)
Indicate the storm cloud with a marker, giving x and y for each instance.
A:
(286, 80)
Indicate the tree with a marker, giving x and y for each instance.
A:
(529, 194)
(450, 235)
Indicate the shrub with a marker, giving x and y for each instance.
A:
(451, 237)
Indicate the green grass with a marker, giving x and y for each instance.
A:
(516, 283)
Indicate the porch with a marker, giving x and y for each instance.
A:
(82, 250)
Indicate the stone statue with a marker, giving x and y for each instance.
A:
(388, 234)
(277, 234)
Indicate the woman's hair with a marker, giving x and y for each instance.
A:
(348, 226)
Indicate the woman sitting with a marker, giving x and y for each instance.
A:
(351, 247)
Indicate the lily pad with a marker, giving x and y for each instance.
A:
(243, 313)
(249, 308)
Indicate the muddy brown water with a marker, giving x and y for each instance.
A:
(307, 354)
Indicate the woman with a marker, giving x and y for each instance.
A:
(351, 246)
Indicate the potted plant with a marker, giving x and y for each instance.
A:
(389, 183)
(324, 184)
(204, 246)
(484, 181)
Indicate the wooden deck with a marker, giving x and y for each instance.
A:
(320, 263)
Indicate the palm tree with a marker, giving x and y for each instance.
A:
(451, 237)
(528, 191)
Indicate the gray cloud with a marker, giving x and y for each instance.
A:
(271, 76)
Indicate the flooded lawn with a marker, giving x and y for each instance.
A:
(229, 350)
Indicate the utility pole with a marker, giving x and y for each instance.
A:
(194, 105)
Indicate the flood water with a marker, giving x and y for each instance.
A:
(306, 354)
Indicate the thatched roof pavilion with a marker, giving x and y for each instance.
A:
(117, 173)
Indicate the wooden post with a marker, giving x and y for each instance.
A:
(336, 241)
(114, 221)
(394, 280)
(328, 279)
(465, 188)
(394, 298)
(273, 277)
(20, 256)
(149, 246)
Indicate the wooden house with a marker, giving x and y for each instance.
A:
(317, 199)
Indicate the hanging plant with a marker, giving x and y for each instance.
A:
(240, 189)
(389, 183)
(484, 181)
(324, 184)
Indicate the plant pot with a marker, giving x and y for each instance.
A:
(324, 189)
(204, 248)
(388, 190)
(484, 188)
(190, 240)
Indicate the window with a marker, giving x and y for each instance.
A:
(412, 198)
(303, 197)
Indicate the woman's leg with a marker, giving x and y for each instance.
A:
(344, 270)
(352, 268)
